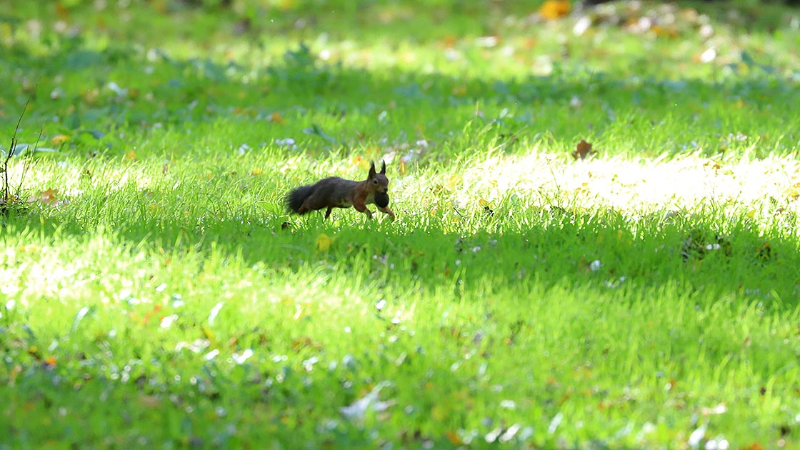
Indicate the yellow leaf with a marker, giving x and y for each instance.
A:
(208, 334)
(131, 155)
(555, 9)
(256, 171)
(324, 242)
(668, 32)
(59, 139)
(402, 169)
(751, 213)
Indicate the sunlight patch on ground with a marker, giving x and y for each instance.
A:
(626, 184)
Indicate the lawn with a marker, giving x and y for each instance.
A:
(596, 241)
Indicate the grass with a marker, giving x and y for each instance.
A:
(156, 293)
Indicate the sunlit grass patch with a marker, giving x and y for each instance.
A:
(630, 183)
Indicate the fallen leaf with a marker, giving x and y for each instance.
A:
(323, 242)
(61, 11)
(402, 169)
(131, 155)
(48, 197)
(59, 139)
(277, 118)
(454, 438)
(753, 446)
(582, 150)
(668, 32)
(555, 9)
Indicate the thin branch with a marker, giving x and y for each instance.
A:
(10, 153)
(27, 164)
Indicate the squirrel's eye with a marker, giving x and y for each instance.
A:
(374, 181)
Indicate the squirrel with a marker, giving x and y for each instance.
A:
(335, 192)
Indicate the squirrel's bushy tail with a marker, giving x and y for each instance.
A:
(298, 196)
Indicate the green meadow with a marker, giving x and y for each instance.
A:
(596, 242)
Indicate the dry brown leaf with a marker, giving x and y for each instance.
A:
(276, 117)
(454, 438)
(753, 446)
(48, 197)
(583, 150)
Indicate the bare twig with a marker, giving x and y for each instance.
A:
(27, 164)
(6, 199)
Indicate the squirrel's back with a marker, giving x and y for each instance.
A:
(332, 191)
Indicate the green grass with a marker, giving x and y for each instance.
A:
(153, 294)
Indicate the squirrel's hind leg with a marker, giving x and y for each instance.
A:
(328, 212)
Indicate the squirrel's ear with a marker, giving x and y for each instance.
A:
(371, 170)
(383, 167)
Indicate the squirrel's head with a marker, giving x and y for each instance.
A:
(377, 181)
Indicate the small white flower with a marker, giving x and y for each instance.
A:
(117, 89)
(167, 322)
(240, 359)
(708, 55)
(508, 404)
(696, 437)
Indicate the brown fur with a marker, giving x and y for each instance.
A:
(335, 192)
